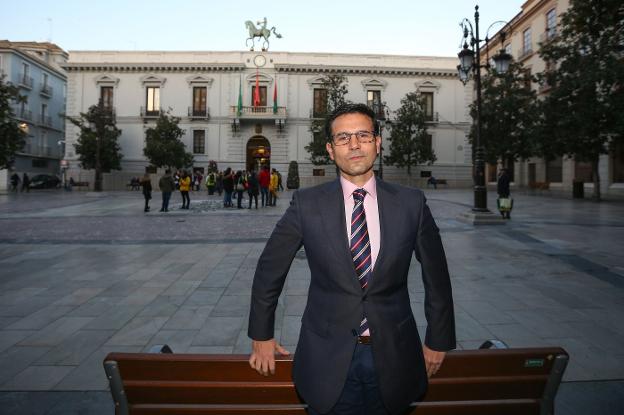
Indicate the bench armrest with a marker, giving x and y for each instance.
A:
(160, 348)
(494, 344)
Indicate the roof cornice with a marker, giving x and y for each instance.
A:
(365, 70)
(151, 67)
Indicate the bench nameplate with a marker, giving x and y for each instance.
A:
(534, 363)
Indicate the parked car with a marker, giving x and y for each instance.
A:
(44, 181)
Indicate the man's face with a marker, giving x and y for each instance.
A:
(355, 160)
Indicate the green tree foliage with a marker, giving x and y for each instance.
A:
(584, 107)
(410, 145)
(163, 147)
(12, 137)
(336, 87)
(292, 181)
(508, 114)
(97, 145)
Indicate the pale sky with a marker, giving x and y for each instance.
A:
(413, 27)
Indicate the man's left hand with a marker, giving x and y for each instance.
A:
(433, 360)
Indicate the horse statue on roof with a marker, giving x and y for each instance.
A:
(260, 32)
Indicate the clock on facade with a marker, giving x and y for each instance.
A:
(259, 60)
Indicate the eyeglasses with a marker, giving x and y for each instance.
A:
(344, 138)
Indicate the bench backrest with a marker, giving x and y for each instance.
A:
(508, 381)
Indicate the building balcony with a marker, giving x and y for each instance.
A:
(198, 114)
(151, 113)
(40, 151)
(548, 35)
(25, 81)
(524, 53)
(45, 120)
(432, 117)
(23, 114)
(46, 91)
(258, 113)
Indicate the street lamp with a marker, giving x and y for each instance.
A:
(382, 113)
(470, 61)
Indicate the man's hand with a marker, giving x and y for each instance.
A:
(263, 355)
(433, 360)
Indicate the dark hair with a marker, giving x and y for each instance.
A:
(350, 108)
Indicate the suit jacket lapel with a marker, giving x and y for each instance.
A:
(332, 211)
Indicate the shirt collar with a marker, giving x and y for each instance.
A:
(348, 188)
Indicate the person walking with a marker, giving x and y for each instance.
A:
(359, 350)
(264, 178)
(280, 186)
(166, 185)
(273, 187)
(15, 181)
(220, 183)
(146, 183)
(185, 187)
(252, 188)
(240, 182)
(228, 187)
(25, 183)
(211, 181)
(502, 188)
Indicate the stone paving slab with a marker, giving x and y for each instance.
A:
(82, 276)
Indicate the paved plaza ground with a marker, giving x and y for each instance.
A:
(84, 275)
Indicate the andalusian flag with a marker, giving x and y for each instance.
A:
(239, 107)
(275, 97)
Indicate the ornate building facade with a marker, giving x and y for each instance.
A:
(204, 88)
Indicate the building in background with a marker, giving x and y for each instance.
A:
(36, 69)
(535, 24)
(203, 89)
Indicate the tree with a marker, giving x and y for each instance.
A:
(410, 144)
(336, 87)
(508, 114)
(97, 145)
(12, 136)
(163, 147)
(584, 107)
(292, 181)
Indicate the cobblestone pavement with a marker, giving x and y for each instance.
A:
(82, 275)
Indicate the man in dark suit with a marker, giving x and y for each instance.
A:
(359, 350)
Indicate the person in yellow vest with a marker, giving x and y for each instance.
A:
(185, 186)
(273, 187)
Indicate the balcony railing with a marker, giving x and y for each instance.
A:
(47, 90)
(548, 35)
(45, 120)
(524, 52)
(257, 112)
(198, 113)
(151, 113)
(40, 151)
(26, 81)
(23, 114)
(432, 117)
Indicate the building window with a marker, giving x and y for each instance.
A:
(554, 170)
(199, 100)
(373, 100)
(508, 48)
(428, 139)
(319, 106)
(427, 102)
(527, 46)
(25, 72)
(263, 96)
(106, 97)
(152, 104)
(199, 141)
(44, 81)
(551, 23)
(45, 120)
(527, 78)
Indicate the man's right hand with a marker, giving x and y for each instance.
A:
(263, 355)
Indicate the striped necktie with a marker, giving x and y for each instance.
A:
(360, 245)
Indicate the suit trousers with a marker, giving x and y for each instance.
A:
(361, 394)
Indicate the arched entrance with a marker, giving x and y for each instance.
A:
(258, 153)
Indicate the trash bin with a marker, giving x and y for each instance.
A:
(578, 189)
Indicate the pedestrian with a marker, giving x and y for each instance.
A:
(176, 179)
(273, 184)
(199, 181)
(502, 188)
(166, 185)
(432, 181)
(211, 181)
(228, 187)
(25, 183)
(264, 178)
(15, 181)
(280, 187)
(252, 188)
(240, 182)
(185, 187)
(359, 349)
(220, 183)
(146, 183)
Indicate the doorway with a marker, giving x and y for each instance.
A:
(258, 153)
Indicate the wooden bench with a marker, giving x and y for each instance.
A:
(484, 382)
(539, 185)
(80, 184)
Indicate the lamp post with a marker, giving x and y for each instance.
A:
(382, 114)
(470, 61)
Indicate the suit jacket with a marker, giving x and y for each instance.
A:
(336, 302)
